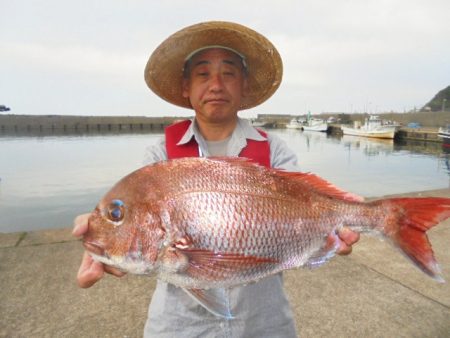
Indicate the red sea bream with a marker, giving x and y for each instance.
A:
(206, 224)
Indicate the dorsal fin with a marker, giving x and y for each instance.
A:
(322, 186)
(315, 182)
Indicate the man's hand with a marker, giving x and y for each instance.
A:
(90, 271)
(347, 239)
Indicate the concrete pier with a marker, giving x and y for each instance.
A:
(374, 292)
(422, 134)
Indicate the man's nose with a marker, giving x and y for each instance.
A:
(216, 82)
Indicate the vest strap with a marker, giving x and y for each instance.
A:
(174, 133)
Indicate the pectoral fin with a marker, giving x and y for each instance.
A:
(215, 301)
(215, 266)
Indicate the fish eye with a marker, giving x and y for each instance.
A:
(116, 211)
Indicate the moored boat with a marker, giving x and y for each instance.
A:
(444, 133)
(315, 125)
(373, 127)
(295, 123)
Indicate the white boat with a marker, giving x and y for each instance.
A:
(373, 127)
(295, 124)
(315, 125)
(444, 133)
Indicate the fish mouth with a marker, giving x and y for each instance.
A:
(94, 248)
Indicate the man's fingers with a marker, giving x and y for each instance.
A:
(344, 249)
(113, 271)
(80, 225)
(89, 272)
(348, 236)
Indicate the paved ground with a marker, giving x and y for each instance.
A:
(374, 292)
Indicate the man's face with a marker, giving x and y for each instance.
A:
(215, 85)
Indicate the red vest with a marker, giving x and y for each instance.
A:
(258, 151)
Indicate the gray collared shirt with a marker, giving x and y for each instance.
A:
(260, 309)
(280, 155)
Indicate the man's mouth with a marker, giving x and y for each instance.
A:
(216, 101)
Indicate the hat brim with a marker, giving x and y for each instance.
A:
(164, 70)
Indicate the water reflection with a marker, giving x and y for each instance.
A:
(371, 167)
(310, 138)
(370, 147)
(420, 147)
(374, 146)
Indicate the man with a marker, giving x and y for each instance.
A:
(217, 69)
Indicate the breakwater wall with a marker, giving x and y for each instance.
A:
(66, 124)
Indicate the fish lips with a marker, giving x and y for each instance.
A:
(94, 248)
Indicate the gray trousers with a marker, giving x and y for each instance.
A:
(260, 310)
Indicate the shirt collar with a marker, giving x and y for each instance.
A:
(243, 131)
(188, 134)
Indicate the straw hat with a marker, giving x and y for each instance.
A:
(164, 70)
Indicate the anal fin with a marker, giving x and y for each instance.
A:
(325, 253)
(215, 301)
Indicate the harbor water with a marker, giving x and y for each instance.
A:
(46, 181)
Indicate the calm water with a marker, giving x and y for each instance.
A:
(47, 181)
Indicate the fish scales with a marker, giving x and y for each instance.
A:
(252, 212)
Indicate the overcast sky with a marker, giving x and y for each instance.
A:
(87, 57)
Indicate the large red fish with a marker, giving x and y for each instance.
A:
(205, 224)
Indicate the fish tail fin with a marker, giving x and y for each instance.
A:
(408, 225)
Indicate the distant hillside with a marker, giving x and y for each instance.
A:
(436, 104)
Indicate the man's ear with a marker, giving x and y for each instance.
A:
(185, 87)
